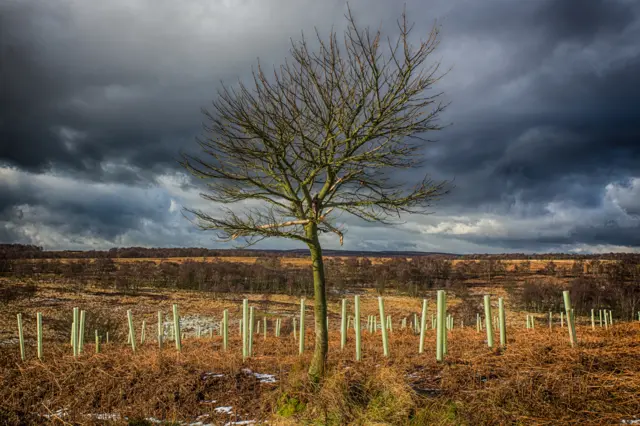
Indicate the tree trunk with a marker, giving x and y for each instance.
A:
(317, 367)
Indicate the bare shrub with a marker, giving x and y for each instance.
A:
(11, 291)
(539, 295)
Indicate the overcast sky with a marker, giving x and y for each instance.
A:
(98, 98)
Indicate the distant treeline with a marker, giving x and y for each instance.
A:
(593, 283)
(22, 251)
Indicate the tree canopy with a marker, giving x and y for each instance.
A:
(323, 134)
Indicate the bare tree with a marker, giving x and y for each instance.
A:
(324, 134)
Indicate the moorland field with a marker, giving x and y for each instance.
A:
(537, 378)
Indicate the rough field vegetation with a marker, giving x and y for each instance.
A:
(535, 265)
(537, 379)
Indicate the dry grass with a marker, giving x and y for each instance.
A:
(539, 379)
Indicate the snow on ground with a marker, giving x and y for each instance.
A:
(264, 378)
(199, 421)
(224, 410)
(60, 413)
(210, 374)
(105, 416)
(189, 325)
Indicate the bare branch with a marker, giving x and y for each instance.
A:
(324, 132)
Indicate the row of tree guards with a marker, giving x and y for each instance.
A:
(608, 319)
(440, 321)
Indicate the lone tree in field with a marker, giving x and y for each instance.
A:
(323, 134)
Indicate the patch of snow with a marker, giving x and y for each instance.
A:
(189, 325)
(105, 416)
(60, 413)
(196, 423)
(630, 422)
(208, 401)
(199, 421)
(263, 377)
(207, 375)
(223, 410)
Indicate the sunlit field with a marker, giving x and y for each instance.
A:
(537, 378)
(535, 265)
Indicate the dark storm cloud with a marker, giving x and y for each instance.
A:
(133, 83)
(103, 211)
(544, 105)
(585, 20)
(607, 234)
(575, 127)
